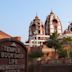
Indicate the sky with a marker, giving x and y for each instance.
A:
(16, 15)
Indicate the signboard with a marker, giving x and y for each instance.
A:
(13, 56)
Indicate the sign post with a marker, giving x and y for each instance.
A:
(13, 56)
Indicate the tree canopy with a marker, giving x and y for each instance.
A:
(53, 42)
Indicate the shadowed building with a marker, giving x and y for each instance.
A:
(5, 35)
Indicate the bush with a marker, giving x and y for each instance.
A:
(35, 54)
(62, 53)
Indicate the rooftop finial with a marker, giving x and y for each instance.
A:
(51, 12)
(36, 17)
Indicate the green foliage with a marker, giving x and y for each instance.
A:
(50, 43)
(70, 54)
(54, 36)
(35, 54)
(53, 42)
(67, 41)
(62, 53)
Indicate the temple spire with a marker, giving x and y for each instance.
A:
(51, 12)
(36, 17)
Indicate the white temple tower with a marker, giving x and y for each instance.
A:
(36, 32)
(53, 24)
(36, 27)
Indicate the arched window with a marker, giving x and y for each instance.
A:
(55, 23)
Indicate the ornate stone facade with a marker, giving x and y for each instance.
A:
(53, 24)
(67, 32)
(39, 32)
(36, 27)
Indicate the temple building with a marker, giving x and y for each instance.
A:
(36, 27)
(69, 29)
(67, 32)
(39, 32)
(53, 24)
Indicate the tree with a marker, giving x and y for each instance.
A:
(62, 53)
(53, 42)
(68, 42)
(71, 54)
(36, 54)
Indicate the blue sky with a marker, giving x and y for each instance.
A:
(16, 15)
